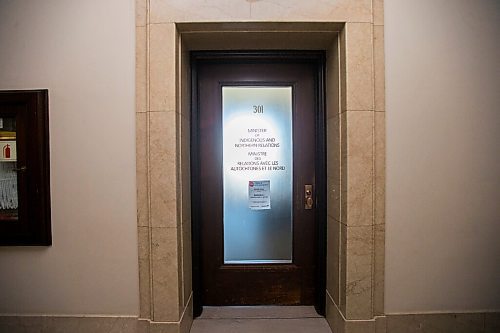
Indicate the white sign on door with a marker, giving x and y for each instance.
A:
(259, 194)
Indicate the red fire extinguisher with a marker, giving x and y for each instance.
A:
(6, 151)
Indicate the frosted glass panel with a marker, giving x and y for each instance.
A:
(257, 141)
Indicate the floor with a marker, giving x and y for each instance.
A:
(256, 319)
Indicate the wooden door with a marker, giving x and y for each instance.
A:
(289, 273)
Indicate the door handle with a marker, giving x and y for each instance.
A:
(308, 197)
(21, 169)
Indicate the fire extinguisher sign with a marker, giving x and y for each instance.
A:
(8, 151)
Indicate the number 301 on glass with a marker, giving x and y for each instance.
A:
(258, 109)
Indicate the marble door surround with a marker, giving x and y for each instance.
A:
(351, 33)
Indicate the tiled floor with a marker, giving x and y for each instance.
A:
(256, 319)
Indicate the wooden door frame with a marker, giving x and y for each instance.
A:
(316, 57)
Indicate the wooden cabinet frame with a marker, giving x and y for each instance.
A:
(30, 109)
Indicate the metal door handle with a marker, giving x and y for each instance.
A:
(308, 197)
(20, 169)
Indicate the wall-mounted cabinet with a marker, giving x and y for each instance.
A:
(24, 168)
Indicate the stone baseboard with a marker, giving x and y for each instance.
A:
(12, 323)
(181, 326)
(339, 324)
(70, 324)
(480, 322)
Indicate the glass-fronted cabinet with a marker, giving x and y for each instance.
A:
(9, 203)
(24, 168)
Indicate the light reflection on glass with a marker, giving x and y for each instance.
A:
(257, 174)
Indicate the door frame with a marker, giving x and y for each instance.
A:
(316, 57)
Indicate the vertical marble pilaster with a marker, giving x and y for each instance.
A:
(357, 153)
(142, 159)
(359, 89)
(163, 164)
(359, 168)
(163, 67)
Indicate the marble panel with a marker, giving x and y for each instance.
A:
(187, 265)
(144, 272)
(163, 173)
(144, 288)
(379, 170)
(193, 11)
(333, 159)
(180, 269)
(255, 10)
(142, 326)
(187, 317)
(381, 324)
(260, 40)
(359, 273)
(378, 12)
(185, 84)
(333, 79)
(141, 77)
(343, 268)
(343, 168)
(141, 12)
(360, 326)
(333, 263)
(185, 168)
(141, 140)
(162, 67)
(172, 327)
(379, 269)
(343, 69)
(296, 10)
(333, 316)
(359, 67)
(165, 274)
(379, 67)
(359, 168)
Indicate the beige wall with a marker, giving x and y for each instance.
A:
(443, 160)
(83, 52)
